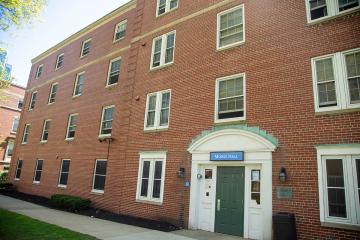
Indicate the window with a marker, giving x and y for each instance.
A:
(157, 110)
(255, 186)
(163, 50)
(9, 150)
(230, 27)
(318, 10)
(164, 6)
(85, 49)
(53, 91)
(99, 176)
(106, 121)
(59, 61)
(339, 184)
(15, 125)
(26, 134)
(45, 131)
(151, 176)
(39, 71)
(114, 72)
(32, 101)
(71, 128)
(19, 165)
(38, 171)
(230, 98)
(79, 84)
(20, 103)
(336, 80)
(64, 173)
(120, 30)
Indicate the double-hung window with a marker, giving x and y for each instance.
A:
(32, 101)
(26, 134)
(151, 177)
(114, 72)
(85, 49)
(9, 150)
(64, 173)
(163, 50)
(339, 168)
(39, 71)
(318, 10)
(99, 176)
(38, 171)
(45, 131)
(19, 165)
(59, 61)
(157, 110)
(53, 91)
(120, 30)
(15, 125)
(230, 27)
(106, 121)
(165, 6)
(230, 98)
(336, 81)
(71, 128)
(79, 84)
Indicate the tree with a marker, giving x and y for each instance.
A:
(19, 12)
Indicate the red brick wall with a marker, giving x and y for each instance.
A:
(279, 99)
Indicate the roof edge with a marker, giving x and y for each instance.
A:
(120, 10)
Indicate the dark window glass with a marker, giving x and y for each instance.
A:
(157, 179)
(53, 93)
(114, 72)
(33, 101)
(86, 48)
(106, 127)
(20, 103)
(347, 4)
(100, 175)
(318, 9)
(99, 182)
(18, 170)
(38, 170)
(79, 84)
(145, 179)
(358, 176)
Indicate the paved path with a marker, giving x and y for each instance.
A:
(99, 228)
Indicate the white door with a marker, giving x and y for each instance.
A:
(207, 198)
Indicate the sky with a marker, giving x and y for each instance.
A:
(59, 20)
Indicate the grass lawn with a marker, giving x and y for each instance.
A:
(15, 226)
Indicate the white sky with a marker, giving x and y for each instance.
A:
(59, 20)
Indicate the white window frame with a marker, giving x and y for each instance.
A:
(216, 119)
(163, 50)
(32, 100)
(332, 10)
(36, 170)
(13, 124)
(341, 82)
(6, 157)
(101, 121)
(347, 153)
(52, 91)
(43, 131)
(38, 72)
(167, 7)
(93, 182)
(109, 69)
(76, 82)
(68, 127)
(17, 169)
(152, 157)
(157, 110)
(242, 6)
(25, 133)
(82, 48)
(57, 61)
(124, 22)
(61, 168)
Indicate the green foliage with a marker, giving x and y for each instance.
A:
(69, 202)
(19, 12)
(19, 227)
(3, 176)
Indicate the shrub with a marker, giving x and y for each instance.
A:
(3, 176)
(68, 202)
(6, 186)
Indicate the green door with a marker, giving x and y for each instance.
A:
(229, 216)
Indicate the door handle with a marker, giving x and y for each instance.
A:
(218, 205)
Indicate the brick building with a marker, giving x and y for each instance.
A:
(213, 115)
(11, 103)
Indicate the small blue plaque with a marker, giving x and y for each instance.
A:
(227, 156)
(186, 184)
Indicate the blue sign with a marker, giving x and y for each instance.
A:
(227, 156)
(187, 184)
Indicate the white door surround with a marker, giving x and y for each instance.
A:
(257, 146)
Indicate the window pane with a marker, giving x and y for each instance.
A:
(18, 173)
(37, 176)
(101, 167)
(162, 5)
(173, 4)
(99, 182)
(144, 187)
(108, 113)
(65, 166)
(256, 197)
(164, 117)
(15, 125)
(152, 102)
(358, 176)
(156, 189)
(354, 88)
(39, 165)
(146, 169)
(327, 94)
(353, 74)
(63, 178)
(20, 164)
(324, 70)
(158, 170)
(347, 4)
(318, 9)
(231, 28)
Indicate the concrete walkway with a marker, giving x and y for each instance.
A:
(99, 228)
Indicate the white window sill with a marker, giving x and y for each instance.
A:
(162, 66)
(84, 56)
(336, 111)
(97, 192)
(36, 182)
(165, 13)
(228, 120)
(69, 139)
(43, 142)
(23, 143)
(12, 132)
(341, 225)
(16, 179)
(138, 200)
(111, 86)
(219, 49)
(151, 130)
(62, 186)
(102, 137)
(118, 40)
(6, 161)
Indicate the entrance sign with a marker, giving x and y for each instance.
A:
(227, 156)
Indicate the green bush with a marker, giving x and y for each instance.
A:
(6, 186)
(69, 202)
(3, 176)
